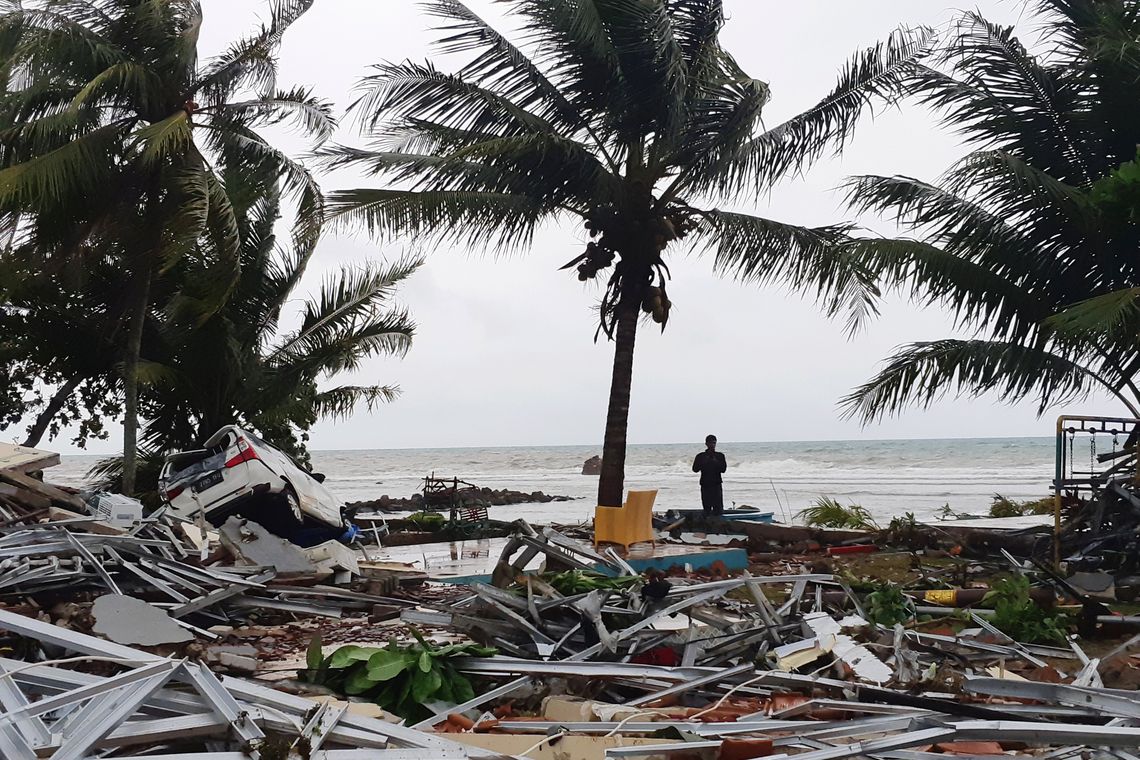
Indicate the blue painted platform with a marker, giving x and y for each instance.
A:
(467, 562)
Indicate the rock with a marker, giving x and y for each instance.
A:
(240, 657)
(592, 466)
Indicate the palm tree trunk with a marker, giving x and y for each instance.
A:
(611, 485)
(131, 379)
(51, 410)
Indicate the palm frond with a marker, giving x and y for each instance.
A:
(400, 89)
(501, 220)
(312, 114)
(921, 373)
(124, 82)
(721, 116)
(347, 300)
(501, 67)
(164, 140)
(244, 145)
(1114, 316)
(572, 46)
(251, 62)
(342, 401)
(76, 169)
(814, 259)
(1008, 307)
(1030, 103)
(878, 74)
(1003, 179)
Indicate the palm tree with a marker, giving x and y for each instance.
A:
(626, 117)
(239, 365)
(113, 136)
(1031, 239)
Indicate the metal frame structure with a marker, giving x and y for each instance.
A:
(159, 702)
(1065, 480)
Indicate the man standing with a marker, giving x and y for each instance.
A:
(710, 464)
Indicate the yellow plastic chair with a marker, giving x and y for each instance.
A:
(628, 524)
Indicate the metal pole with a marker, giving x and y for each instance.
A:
(1057, 480)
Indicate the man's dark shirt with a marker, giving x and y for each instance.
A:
(710, 465)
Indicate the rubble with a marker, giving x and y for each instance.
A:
(155, 638)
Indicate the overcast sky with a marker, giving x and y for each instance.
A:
(504, 353)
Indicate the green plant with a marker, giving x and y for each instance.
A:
(1021, 618)
(427, 520)
(399, 679)
(1003, 507)
(826, 512)
(945, 512)
(903, 525)
(119, 141)
(574, 582)
(887, 605)
(1030, 240)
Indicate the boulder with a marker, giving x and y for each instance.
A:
(592, 466)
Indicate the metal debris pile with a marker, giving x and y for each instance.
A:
(158, 580)
(774, 665)
(170, 705)
(590, 649)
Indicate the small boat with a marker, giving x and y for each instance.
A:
(736, 514)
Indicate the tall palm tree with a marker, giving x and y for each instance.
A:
(239, 365)
(626, 116)
(1031, 240)
(112, 131)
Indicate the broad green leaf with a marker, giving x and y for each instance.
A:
(461, 688)
(386, 664)
(425, 661)
(313, 658)
(445, 693)
(388, 693)
(359, 681)
(347, 655)
(425, 684)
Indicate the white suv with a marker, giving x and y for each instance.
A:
(237, 473)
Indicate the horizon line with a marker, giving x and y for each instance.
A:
(667, 443)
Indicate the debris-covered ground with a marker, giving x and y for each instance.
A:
(155, 638)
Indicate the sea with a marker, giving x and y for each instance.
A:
(889, 478)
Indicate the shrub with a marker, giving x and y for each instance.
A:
(826, 512)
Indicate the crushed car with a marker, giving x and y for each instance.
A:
(235, 473)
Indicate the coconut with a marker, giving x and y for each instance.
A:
(652, 298)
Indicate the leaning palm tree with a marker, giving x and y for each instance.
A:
(240, 367)
(627, 117)
(1031, 239)
(113, 135)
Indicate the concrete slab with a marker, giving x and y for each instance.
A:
(126, 620)
(25, 459)
(252, 544)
